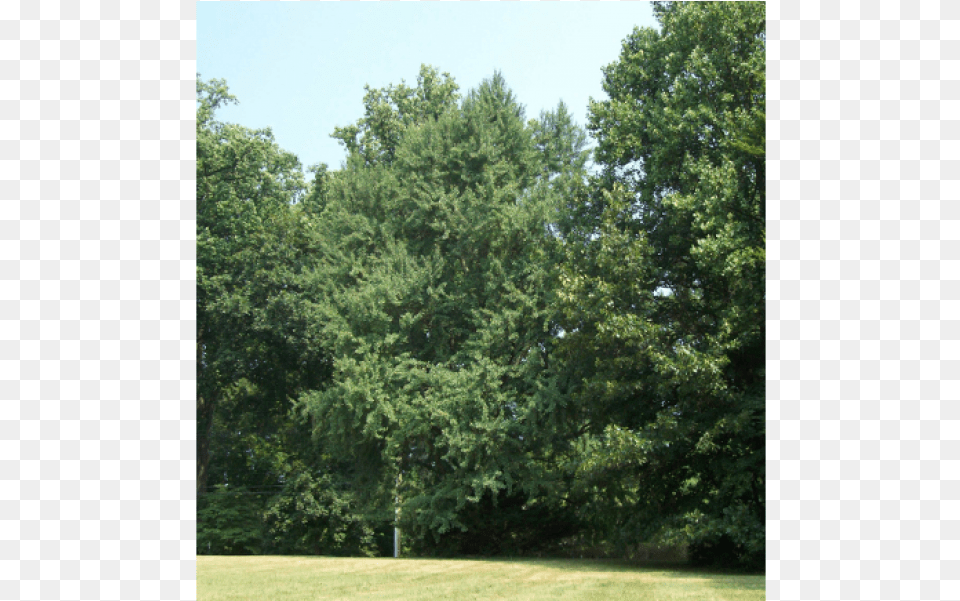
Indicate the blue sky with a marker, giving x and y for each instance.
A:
(300, 67)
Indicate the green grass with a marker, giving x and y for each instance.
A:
(314, 578)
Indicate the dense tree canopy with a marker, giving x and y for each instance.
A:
(463, 333)
(664, 295)
(431, 288)
(253, 352)
(245, 185)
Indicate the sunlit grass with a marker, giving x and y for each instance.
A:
(314, 578)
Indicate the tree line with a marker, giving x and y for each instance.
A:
(468, 333)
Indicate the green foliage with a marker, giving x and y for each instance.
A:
(431, 291)
(254, 353)
(314, 516)
(461, 333)
(246, 243)
(229, 522)
(663, 287)
(505, 525)
(561, 143)
(390, 111)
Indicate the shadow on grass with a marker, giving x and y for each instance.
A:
(675, 568)
(720, 578)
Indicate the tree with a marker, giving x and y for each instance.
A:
(561, 143)
(664, 285)
(250, 355)
(262, 488)
(388, 112)
(432, 290)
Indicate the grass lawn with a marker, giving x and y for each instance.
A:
(313, 578)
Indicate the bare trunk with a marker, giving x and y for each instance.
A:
(206, 403)
(205, 409)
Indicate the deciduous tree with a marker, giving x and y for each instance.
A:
(664, 285)
(433, 286)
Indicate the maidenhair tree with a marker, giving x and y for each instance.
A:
(433, 284)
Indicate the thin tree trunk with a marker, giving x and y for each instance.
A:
(206, 404)
(205, 409)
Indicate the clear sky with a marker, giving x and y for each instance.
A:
(300, 67)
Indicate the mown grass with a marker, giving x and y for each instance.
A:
(314, 578)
